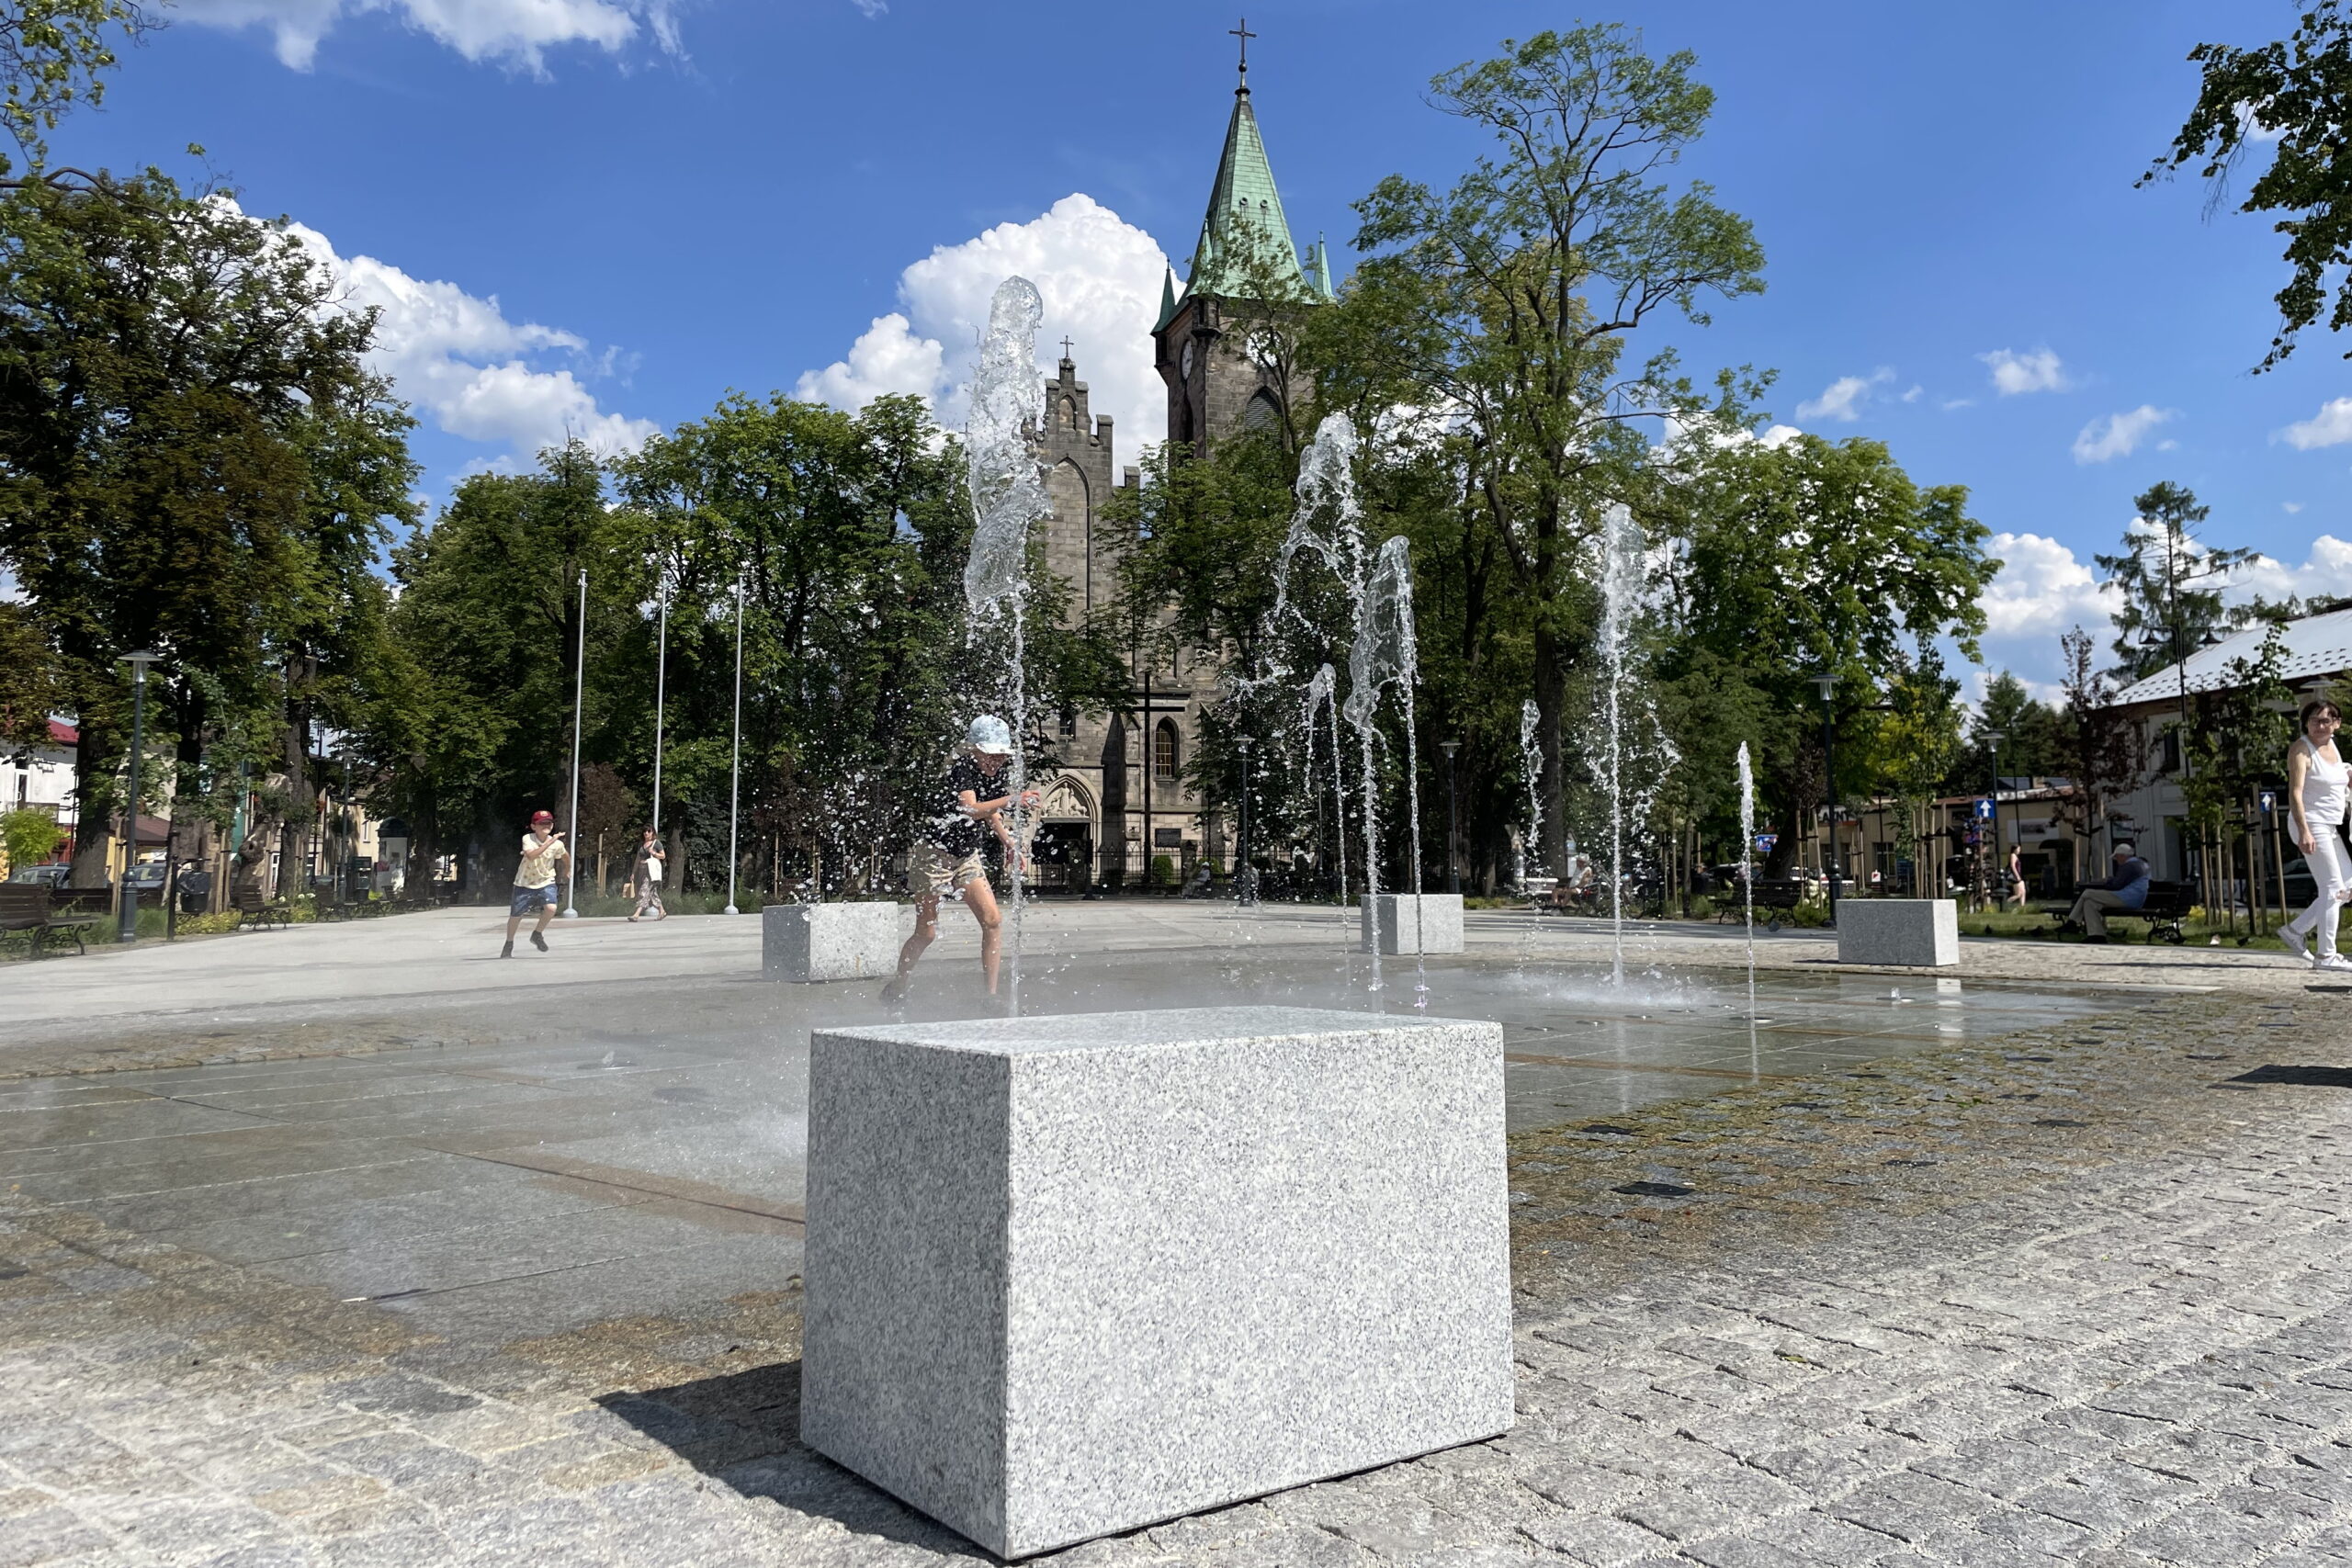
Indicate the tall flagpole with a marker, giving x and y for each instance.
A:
(735, 766)
(579, 685)
(660, 677)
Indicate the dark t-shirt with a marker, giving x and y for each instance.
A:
(951, 827)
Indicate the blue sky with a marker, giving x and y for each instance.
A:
(608, 213)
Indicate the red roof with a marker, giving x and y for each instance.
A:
(64, 734)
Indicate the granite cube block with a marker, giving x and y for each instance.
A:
(1070, 1276)
(1436, 918)
(832, 942)
(1919, 934)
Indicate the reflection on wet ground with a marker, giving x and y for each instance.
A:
(641, 1149)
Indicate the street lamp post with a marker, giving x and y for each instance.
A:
(578, 689)
(1245, 876)
(1453, 820)
(128, 928)
(1998, 874)
(660, 693)
(1827, 684)
(735, 762)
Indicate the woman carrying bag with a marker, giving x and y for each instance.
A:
(646, 877)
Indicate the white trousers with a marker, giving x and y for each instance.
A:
(2331, 876)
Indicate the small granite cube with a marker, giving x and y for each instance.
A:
(1917, 933)
(1075, 1275)
(1435, 919)
(832, 942)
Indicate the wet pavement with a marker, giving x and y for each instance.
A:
(640, 1163)
(1917, 1267)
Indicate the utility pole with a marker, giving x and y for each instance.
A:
(579, 688)
(660, 695)
(128, 927)
(1828, 684)
(1245, 876)
(735, 761)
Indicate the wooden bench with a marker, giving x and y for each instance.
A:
(2166, 906)
(251, 905)
(27, 906)
(1775, 896)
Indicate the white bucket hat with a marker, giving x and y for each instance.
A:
(989, 734)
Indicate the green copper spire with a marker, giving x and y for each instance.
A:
(1245, 212)
(1167, 299)
(1323, 267)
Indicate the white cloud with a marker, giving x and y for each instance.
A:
(2116, 435)
(1949, 404)
(2332, 426)
(2325, 573)
(2042, 590)
(2014, 373)
(2290, 507)
(1844, 398)
(477, 375)
(1913, 395)
(1100, 276)
(514, 33)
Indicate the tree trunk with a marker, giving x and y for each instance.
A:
(94, 826)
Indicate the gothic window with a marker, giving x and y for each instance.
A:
(1163, 751)
(1066, 413)
(1261, 413)
(1069, 722)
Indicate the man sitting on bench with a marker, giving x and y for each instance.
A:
(2127, 888)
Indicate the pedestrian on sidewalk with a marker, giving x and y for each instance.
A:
(2017, 875)
(2125, 888)
(535, 881)
(646, 877)
(2316, 787)
(945, 860)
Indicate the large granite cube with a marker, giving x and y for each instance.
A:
(1411, 922)
(1070, 1276)
(832, 942)
(1919, 934)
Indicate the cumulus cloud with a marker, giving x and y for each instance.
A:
(459, 360)
(2324, 573)
(514, 33)
(1100, 276)
(2332, 426)
(2042, 590)
(2014, 373)
(2114, 435)
(1843, 398)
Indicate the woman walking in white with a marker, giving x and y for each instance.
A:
(2317, 778)
(646, 875)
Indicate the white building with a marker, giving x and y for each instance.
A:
(42, 778)
(2317, 651)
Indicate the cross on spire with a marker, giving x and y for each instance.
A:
(1066, 348)
(1245, 35)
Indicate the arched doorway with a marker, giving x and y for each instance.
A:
(1066, 838)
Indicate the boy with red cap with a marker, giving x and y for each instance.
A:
(535, 881)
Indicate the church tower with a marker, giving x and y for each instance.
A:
(1245, 249)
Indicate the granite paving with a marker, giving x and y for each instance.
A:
(1987, 1277)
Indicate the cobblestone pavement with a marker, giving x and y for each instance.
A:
(2076, 1295)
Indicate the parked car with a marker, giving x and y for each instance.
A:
(48, 875)
(148, 875)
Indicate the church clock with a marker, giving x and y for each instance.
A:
(1187, 359)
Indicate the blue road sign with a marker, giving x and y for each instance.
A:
(1766, 840)
(1983, 810)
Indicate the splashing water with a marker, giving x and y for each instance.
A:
(1748, 873)
(1531, 763)
(1318, 697)
(1385, 654)
(1621, 584)
(1007, 498)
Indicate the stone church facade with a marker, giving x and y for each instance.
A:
(1118, 795)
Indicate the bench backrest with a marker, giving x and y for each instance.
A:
(24, 902)
(248, 898)
(2168, 898)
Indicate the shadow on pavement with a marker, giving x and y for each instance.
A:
(745, 1430)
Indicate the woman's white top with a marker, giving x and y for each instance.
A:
(2324, 786)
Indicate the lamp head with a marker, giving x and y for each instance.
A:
(139, 663)
(1826, 685)
(1449, 748)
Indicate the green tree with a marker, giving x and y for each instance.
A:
(31, 688)
(1806, 559)
(2170, 582)
(54, 53)
(1510, 301)
(2032, 741)
(173, 373)
(2289, 93)
(30, 837)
